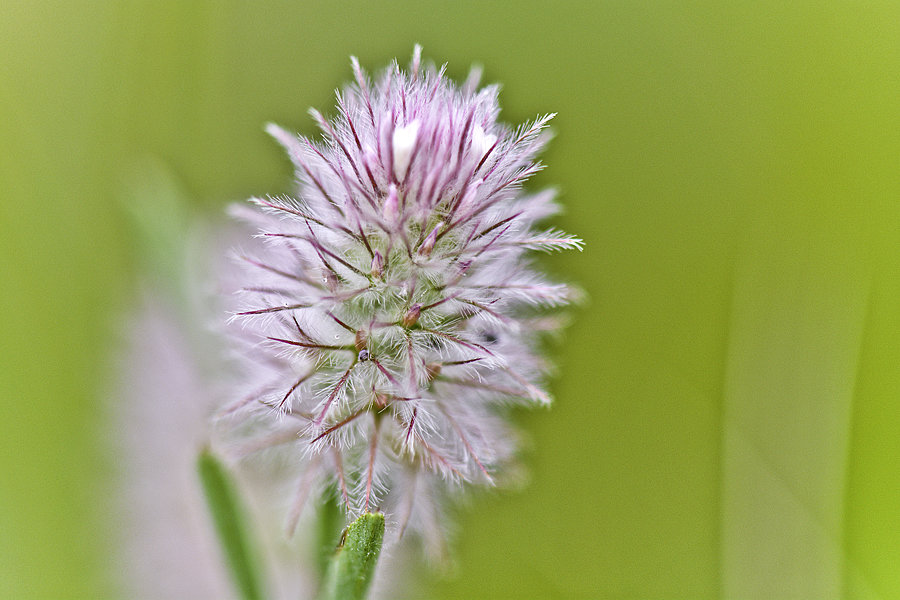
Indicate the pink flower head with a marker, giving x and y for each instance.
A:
(389, 311)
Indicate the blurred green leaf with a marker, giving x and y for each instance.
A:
(231, 525)
(329, 521)
(160, 215)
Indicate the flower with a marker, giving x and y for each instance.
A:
(389, 312)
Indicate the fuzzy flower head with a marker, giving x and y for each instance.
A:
(389, 310)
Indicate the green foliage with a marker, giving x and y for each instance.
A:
(328, 525)
(228, 517)
(352, 567)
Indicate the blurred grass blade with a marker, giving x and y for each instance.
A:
(159, 215)
(352, 567)
(798, 324)
(228, 517)
(329, 522)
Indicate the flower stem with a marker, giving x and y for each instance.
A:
(329, 523)
(225, 509)
(351, 569)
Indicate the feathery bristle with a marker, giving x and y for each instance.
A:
(389, 304)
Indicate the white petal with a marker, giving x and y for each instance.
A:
(404, 143)
(481, 141)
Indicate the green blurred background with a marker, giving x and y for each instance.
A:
(728, 404)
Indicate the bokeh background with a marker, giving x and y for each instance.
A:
(728, 400)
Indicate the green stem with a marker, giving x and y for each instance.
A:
(227, 515)
(329, 523)
(351, 569)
